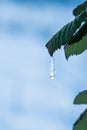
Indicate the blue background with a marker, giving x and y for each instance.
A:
(29, 99)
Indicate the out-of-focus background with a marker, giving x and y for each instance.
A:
(29, 99)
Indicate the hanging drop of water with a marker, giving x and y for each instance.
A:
(52, 68)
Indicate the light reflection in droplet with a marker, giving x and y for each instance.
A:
(52, 68)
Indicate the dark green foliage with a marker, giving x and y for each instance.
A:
(66, 34)
(73, 37)
(81, 98)
(79, 34)
(81, 123)
(80, 8)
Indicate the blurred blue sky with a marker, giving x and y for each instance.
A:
(29, 100)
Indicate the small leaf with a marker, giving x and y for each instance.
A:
(80, 8)
(81, 123)
(81, 98)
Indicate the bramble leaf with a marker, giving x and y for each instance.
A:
(65, 35)
(81, 98)
(80, 8)
(76, 48)
(81, 123)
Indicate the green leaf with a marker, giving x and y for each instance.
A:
(80, 8)
(81, 98)
(76, 48)
(81, 123)
(65, 35)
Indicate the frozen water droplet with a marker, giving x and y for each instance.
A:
(52, 68)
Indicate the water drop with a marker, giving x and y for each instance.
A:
(52, 68)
